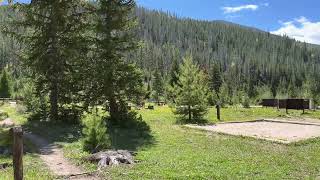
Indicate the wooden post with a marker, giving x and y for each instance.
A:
(218, 111)
(17, 153)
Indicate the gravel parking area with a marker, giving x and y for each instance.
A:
(273, 130)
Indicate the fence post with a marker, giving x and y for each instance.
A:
(218, 111)
(17, 152)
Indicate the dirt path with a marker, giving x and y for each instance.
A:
(52, 156)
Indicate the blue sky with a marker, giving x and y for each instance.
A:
(299, 19)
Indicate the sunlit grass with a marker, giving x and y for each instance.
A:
(34, 169)
(176, 152)
(181, 153)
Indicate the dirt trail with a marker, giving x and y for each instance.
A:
(52, 155)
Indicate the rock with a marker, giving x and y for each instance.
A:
(7, 123)
(4, 165)
(111, 158)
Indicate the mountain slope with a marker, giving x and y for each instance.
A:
(248, 57)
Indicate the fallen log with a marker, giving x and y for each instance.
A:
(111, 158)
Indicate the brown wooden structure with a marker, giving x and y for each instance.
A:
(17, 149)
(298, 104)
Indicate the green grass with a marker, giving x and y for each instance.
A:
(18, 118)
(171, 151)
(243, 114)
(33, 167)
(182, 153)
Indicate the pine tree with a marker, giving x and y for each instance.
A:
(5, 85)
(216, 79)
(95, 132)
(191, 91)
(54, 47)
(110, 78)
(315, 88)
(158, 86)
(173, 78)
(216, 83)
(174, 72)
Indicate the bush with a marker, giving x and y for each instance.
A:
(3, 115)
(5, 140)
(95, 133)
(21, 109)
(246, 101)
(5, 89)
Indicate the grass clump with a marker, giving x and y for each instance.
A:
(3, 115)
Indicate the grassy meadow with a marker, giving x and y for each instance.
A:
(168, 150)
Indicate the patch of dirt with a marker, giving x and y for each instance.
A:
(52, 156)
(273, 130)
(6, 123)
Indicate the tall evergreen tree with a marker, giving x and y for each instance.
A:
(5, 91)
(158, 86)
(216, 79)
(216, 83)
(110, 79)
(174, 72)
(54, 45)
(173, 78)
(315, 88)
(191, 91)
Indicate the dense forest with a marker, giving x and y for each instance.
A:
(254, 64)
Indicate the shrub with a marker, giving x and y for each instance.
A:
(5, 90)
(5, 140)
(21, 109)
(95, 133)
(246, 101)
(3, 115)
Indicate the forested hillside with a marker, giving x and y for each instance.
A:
(254, 63)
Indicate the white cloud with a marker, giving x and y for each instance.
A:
(228, 10)
(231, 17)
(265, 4)
(301, 29)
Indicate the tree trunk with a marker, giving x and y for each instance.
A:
(189, 111)
(54, 102)
(114, 109)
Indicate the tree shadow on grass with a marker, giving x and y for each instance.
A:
(198, 121)
(53, 132)
(130, 135)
